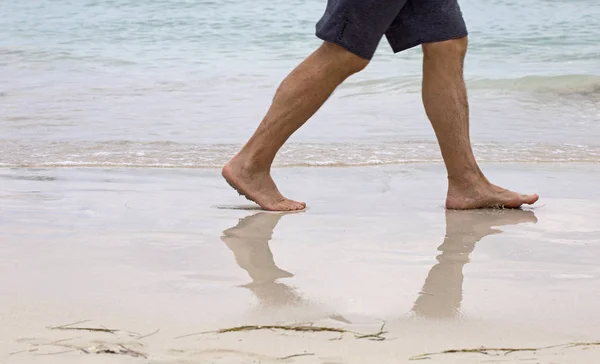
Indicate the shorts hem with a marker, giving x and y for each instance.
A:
(340, 43)
(398, 49)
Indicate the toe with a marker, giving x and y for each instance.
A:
(530, 199)
(517, 200)
(296, 206)
(287, 205)
(513, 204)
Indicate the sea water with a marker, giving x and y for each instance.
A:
(183, 83)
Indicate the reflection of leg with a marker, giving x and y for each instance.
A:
(442, 292)
(249, 242)
(446, 104)
(299, 96)
(275, 294)
(439, 300)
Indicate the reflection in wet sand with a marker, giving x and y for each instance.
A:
(442, 292)
(441, 295)
(249, 242)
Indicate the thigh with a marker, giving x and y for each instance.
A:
(426, 21)
(358, 25)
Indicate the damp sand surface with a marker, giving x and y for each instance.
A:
(127, 252)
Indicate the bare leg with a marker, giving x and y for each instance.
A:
(446, 104)
(299, 96)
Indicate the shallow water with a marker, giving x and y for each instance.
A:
(176, 83)
(141, 240)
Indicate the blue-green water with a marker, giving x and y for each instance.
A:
(183, 83)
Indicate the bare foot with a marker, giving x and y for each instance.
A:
(482, 194)
(258, 186)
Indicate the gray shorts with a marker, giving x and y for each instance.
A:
(359, 25)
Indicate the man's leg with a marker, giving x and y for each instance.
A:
(299, 96)
(446, 104)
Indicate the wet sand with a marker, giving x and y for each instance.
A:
(138, 250)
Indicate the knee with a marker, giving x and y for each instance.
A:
(454, 48)
(353, 63)
(342, 60)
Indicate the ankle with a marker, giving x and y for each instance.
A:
(467, 178)
(250, 163)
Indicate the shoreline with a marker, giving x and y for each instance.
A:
(142, 250)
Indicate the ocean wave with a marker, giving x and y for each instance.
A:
(585, 85)
(128, 154)
(563, 84)
(30, 56)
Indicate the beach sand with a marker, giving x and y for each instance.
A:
(176, 250)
